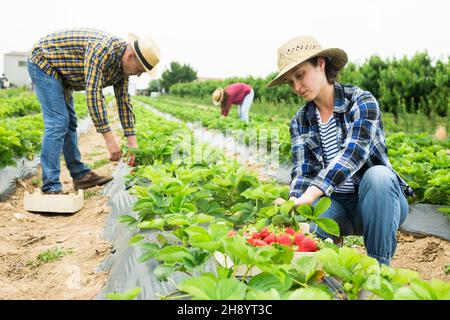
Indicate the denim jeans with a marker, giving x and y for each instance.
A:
(244, 108)
(60, 130)
(376, 211)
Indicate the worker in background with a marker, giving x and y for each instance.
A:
(240, 94)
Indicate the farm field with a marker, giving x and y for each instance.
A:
(208, 218)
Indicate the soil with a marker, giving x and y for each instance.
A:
(24, 235)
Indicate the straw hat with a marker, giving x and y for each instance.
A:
(217, 96)
(300, 49)
(147, 52)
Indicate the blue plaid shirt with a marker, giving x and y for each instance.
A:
(360, 141)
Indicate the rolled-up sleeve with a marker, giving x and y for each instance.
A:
(126, 115)
(301, 158)
(96, 56)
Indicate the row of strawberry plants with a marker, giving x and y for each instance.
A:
(20, 136)
(215, 212)
(422, 161)
(262, 131)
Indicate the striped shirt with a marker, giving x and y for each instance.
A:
(90, 60)
(360, 141)
(328, 132)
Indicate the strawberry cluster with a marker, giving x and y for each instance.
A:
(288, 237)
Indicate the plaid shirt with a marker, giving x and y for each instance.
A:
(88, 59)
(360, 140)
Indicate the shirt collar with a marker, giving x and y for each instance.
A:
(340, 102)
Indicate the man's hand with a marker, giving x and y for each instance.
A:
(132, 144)
(113, 147)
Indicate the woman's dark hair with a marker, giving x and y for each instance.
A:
(330, 71)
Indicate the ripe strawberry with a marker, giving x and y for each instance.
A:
(284, 239)
(256, 242)
(264, 233)
(256, 235)
(231, 233)
(270, 238)
(260, 243)
(308, 245)
(298, 238)
(290, 231)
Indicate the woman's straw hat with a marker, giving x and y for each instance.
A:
(147, 52)
(217, 96)
(299, 50)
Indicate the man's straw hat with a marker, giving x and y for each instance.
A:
(147, 52)
(299, 50)
(217, 96)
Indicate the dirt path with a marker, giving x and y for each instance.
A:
(24, 236)
(427, 255)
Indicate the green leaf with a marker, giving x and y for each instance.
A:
(129, 295)
(266, 281)
(125, 218)
(173, 253)
(162, 239)
(151, 249)
(177, 220)
(204, 288)
(271, 294)
(201, 218)
(280, 220)
(286, 207)
(322, 206)
(236, 248)
(309, 294)
(328, 225)
(305, 210)
(268, 212)
(162, 272)
(152, 224)
(136, 239)
(306, 268)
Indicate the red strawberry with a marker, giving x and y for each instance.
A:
(308, 245)
(231, 233)
(264, 233)
(290, 231)
(260, 243)
(270, 238)
(256, 235)
(298, 238)
(256, 242)
(284, 239)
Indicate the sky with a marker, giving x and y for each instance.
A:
(221, 39)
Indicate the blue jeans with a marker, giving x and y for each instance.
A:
(244, 108)
(376, 211)
(60, 130)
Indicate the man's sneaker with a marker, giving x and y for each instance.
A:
(90, 180)
(59, 192)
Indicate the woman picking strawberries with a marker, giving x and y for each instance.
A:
(339, 149)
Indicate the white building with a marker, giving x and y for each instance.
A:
(15, 68)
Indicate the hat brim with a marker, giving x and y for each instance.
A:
(132, 38)
(338, 60)
(217, 102)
